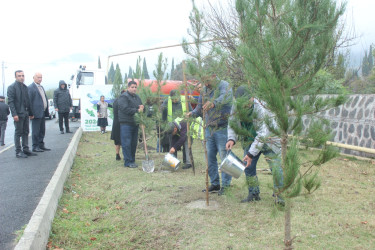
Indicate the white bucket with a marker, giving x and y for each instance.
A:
(171, 161)
(232, 165)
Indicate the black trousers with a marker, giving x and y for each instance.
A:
(21, 131)
(38, 126)
(64, 116)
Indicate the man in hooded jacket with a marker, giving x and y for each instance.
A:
(63, 104)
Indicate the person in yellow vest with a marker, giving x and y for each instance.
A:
(173, 107)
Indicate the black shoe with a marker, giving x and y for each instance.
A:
(222, 191)
(280, 201)
(45, 149)
(38, 150)
(186, 166)
(250, 198)
(118, 158)
(131, 166)
(21, 155)
(61, 132)
(69, 132)
(212, 189)
(28, 153)
(2, 144)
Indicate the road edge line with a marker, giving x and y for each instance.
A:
(36, 233)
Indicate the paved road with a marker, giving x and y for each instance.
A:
(23, 181)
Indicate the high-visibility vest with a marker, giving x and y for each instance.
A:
(170, 113)
(196, 127)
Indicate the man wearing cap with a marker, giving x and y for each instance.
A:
(39, 105)
(177, 133)
(4, 112)
(19, 104)
(63, 104)
(174, 107)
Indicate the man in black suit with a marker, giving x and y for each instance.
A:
(39, 105)
(19, 104)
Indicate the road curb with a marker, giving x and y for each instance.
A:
(37, 231)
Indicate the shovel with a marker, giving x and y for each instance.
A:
(147, 165)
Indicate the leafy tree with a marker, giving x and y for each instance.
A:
(284, 44)
(99, 64)
(111, 74)
(118, 84)
(144, 70)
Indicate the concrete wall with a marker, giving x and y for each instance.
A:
(353, 123)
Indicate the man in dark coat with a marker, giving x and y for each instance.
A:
(4, 112)
(63, 104)
(129, 104)
(39, 105)
(19, 104)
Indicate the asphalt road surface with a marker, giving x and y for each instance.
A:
(23, 181)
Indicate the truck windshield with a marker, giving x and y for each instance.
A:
(85, 78)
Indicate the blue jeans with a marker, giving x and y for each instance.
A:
(215, 143)
(129, 141)
(274, 162)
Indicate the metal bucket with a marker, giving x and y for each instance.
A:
(171, 161)
(232, 165)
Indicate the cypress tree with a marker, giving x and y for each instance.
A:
(130, 74)
(284, 44)
(99, 63)
(111, 74)
(172, 68)
(144, 70)
(118, 84)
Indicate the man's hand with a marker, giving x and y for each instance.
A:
(15, 118)
(229, 145)
(56, 109)
(172, 150)
(31, 117)
(208, 105)
(141, 107)
(248, 160)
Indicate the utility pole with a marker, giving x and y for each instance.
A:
(3, 75)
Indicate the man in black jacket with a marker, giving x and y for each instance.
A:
(20, 108)
(39, 105)
(63, 104)
(129, 104)
(4, 112)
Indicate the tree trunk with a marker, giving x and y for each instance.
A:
(288, 226)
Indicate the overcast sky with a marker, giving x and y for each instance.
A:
(55, 37)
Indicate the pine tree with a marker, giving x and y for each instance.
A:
(144, 69)
(111, 74)
(99, 64)
(284, 44)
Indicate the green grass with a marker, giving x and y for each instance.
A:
(107, 206)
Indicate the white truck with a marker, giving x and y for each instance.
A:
(83, 76)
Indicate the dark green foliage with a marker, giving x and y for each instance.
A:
(118, 84)
(311, 182)
(172, 69)
(99, 63)
(111, 74)
(130, 74)
(144, 70)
